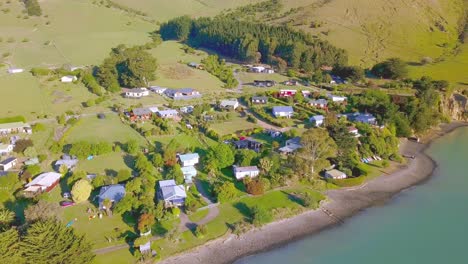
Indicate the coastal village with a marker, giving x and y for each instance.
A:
(159, 158)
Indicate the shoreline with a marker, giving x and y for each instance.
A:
(343, 203)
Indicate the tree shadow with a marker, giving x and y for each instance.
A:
(294, 198)
(244, 210)
(110, 172)
(129, 160)
(129, 219)
(18, 206)
(192, 227)
(414, 63)
(159, 229)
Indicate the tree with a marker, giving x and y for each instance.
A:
(159, 210)
(346, 157)
(43, 210)
(30, 152)
(255, 187)
(22, 144)
(260, 215)
(107, 204)
(221, 156)
(178, 28)
(317, 148)
(9, 247)
(76, 175)
(81, 149)
(123, 175)
(353, 73)
(32, 7)
(265, 165)
(225, 191)
(6, 218)
(175, 173)
(145, 222)
(393, 68)
(244, 157)
(81, 191)
(132, 147)
(157, 160)
(51, 242)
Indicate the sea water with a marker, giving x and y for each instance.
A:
(426, 224)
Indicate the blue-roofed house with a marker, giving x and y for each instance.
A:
(190, 159)
(69, 162)
(114, 193)
(189, 172)
(317, 120)
(283, 111)
(171, 193)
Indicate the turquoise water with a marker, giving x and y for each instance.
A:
(425, 224)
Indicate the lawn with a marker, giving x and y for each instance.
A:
(236, 124)
(198, 215)
(108, 164)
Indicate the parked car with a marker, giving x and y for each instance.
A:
(66, 203)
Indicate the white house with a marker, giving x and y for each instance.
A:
(229, 104)
(189, 172)
(317, 120)
(291, 145)
(354, 131)
(5, 149)
(257, 69)
(242, 172)
(136, 93)
(319, 103)
(190, 159)
(336, 98)
(43, 183)
(171, 194)
(168, 113)
(157, 89)
(15, 70)
(335, 174)
(15, 127)
(8, 164)
(68, 79)
(283, 111)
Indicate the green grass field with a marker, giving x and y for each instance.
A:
(237, 123)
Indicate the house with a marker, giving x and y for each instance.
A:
(189, 172)
(317, 120)
(362, 118)
(337, 99)
(190, 159)
(287, 93)
(259, 99)
(257, 69)
(168, 113)
(5, 148)
(68, 79)
(196, 65)
(247, 143)
(136, 93)
(291, 83)
(69, 162)
(230, 104)
(45, 182)
(336, 80)
(354, 131)
(306, 93)
(32, 161)
(274, 133)
(266, 83)
(157, 89)
(182, 94)
(187, 109)
(319, 103)
(291, 145)
(13, 139)
(269, 71)
(141, 114)
(171, 193)
(242, 172)
(283, 111)
(15, 127)
(8, 164)
(114, 193)
(15, 70)
(335, 174)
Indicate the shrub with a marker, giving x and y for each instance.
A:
(260, 216)
(200, 231)
(255, 187)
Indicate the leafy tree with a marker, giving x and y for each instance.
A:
(132, 147)
(225, 191)
(157, 160)
(81, 191)
(178, 28)
(32, 7)
(123, 175)
(22, 144)
(221, 156)
(9, 184)
(75, 176)
(244, 157)
(260, 215)
(317, 148)
(145, 222)
(176, 173)
(255, 187)
(6, 218)
(346, 146)
(30, 152)
(9, 247)
(43, 210)
(159, 210)
(353, 73)
(265, 164)
(393, 68)
(107, 203)
(201, 231)
(51, 242)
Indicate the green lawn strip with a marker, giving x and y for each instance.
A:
(198, 215)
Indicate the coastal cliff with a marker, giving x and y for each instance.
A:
(455, 107)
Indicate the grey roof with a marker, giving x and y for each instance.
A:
(67, 162)
(114, 192)
(189, 156)
(13, 125)
(319, 101)
(335, 173)
(167, 112)
(166, 183)
(141, 111)
(170, 190)
(181, 90)
(296, 140)
(283, 109)
(245, 169)
(259, 98)
(317, 117)
(8, 160)
(137, 90)
(228, 102)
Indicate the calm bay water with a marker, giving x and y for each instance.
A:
(425, 224)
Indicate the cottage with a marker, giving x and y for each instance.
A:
(291, 145)
(171, 193)
(248, 143)
(168, 113)
(335, 174)
(45, 182)
(187, 109)
(257, 69)
(69, 162)
(336, 80)
(136, 93)
(196, 65)
(68, 79)
(153, 109)
(274, 133)
(230, 104)
(283, 111)
(190, 159)
(15, 127)
(157, 89)
(15, 70)
(8, 164)
(287, 93)
(317, 120)
(182, 94)
(189, 172)
(114, 193)
(291, 83)
(5, 148)
(362, 118)
(140, 114)
(266, 83)
(354, 131)
(259, 99)
(242, 172)
(319, 103)
(337, 99)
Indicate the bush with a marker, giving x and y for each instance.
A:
(40, 72)
(38, 127)
(260, 216)
(255, 187)
(385, 164)
(200, 231)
